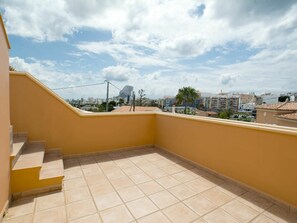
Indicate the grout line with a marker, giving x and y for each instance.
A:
(113, 159)
(94, 203)
(124, 203)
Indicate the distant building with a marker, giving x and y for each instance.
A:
(278, 114)
(269, 98)
(221, 102)
(291, 95)
(169, 101)
(248, 102)
(137, 109)
(126, 92)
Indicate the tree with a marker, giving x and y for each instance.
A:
(186, 95)
(121, 101)
(141, 96)
(225, 114)
(102, 107)
(283, 98)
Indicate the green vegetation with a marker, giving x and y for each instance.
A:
(186, 95)
(226, 114)
(141, 96)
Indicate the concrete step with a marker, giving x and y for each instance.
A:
(37, 170)
(31, 156)
(52, 166)
(19, 143)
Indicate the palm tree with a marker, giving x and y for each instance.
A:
(186, 95)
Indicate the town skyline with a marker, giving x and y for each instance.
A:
(208, 45)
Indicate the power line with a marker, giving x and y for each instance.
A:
(78, 86)
(115, 86)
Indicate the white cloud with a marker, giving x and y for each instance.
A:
(119, 73)
(162, 34)
(228, 79)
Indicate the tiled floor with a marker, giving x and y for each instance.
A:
(144, 185)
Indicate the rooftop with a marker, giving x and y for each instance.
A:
(291, 116)
(144, 185)
(137, 109)
(283, 106)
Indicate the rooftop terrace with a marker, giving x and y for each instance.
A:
(145, 185)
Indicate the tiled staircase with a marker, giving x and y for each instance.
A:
(34, 169)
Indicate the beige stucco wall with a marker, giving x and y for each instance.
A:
(38, 111)
(4, 120)
(284, 122)
(268, 116)
(262, 157)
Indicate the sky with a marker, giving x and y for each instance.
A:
(156, 45)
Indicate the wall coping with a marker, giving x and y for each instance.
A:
(73, 109)
(253, 126)
(4, 30)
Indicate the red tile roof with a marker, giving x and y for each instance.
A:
(291, 116)
(137, 109)
(283, 106)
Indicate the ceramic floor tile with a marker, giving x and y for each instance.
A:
(200, 204)
(80, 209)
(240, 211)
(156, 173)
(130, 193)
(141, 207)
(50, 200)
(180, 213)
(183, 176)
(78, 194)
(100, 189)
(255, 201)
(91, 170)
(114, 173)
(182, 192)
(121, 182)
(132, 170)
(96, 179)
(51, 215)
(21, 219)
(74, 183)
(116, 214)
(220, 216)
(72, 173)
(262, 219)
(168, 182)
(216, 196)
(198, 185)
(123, 164)
(163, 199)
(200, 220)
(231, 189)
(150, 187)
(213, 179)
(157, 217)
(140, 178)
(108, 200)
(23, 206)
(171, 169)
(94, 218)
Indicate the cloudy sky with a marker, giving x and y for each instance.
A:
(156, 45)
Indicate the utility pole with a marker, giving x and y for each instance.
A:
(107, 96)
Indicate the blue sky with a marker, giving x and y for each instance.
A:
(158, 46)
